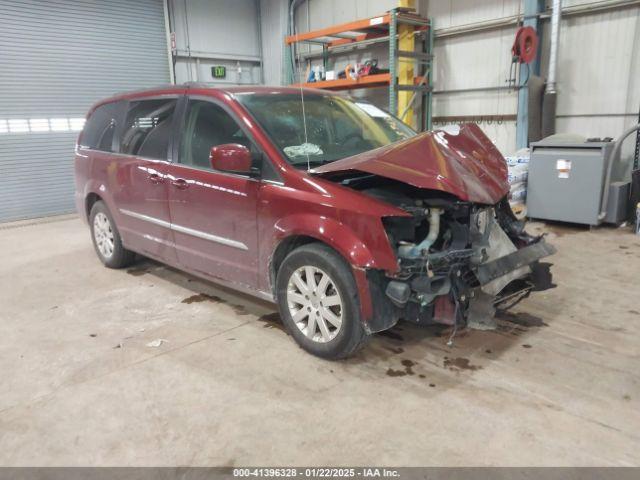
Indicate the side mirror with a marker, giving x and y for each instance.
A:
(232, 157)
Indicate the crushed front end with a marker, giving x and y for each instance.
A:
(461, 252)
(459, 261)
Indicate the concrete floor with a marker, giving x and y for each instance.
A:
(557, 384)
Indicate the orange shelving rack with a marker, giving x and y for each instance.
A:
(375, 30)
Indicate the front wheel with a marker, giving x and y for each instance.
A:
(318, 302)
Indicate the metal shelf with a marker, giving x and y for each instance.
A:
(377, 80)
(383, 28)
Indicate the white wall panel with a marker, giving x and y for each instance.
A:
(453, 13)
(595, 54)
(475, 60)
(273, 21)
(599, 74)
(324, 13)
(472, 61)
(216, 32)
(217, 26)
(475, 103)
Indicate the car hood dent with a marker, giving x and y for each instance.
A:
(464, 163)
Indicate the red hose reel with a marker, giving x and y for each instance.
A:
(525, 45)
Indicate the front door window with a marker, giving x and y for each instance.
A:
(208, 125)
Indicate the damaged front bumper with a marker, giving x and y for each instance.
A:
(487, 262)
(490, 271)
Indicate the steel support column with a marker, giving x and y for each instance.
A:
(393, 94)
(405, 66)
(531, 10)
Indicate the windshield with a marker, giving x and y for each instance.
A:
(333, 127)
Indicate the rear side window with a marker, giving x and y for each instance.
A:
(98, 132)
(147, 128)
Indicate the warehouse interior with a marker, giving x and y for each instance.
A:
(156, 365)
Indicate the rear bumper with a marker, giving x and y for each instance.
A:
(80, 206)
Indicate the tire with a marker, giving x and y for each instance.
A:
(316, 308)
(106, 238)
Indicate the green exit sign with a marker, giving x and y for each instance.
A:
(219, 71)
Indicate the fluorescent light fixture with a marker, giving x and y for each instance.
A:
(76, 124)
(18, 125)
(59, 124)
(39, 124)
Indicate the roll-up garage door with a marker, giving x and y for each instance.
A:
(57, 57)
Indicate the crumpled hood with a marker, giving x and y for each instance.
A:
(465, 164)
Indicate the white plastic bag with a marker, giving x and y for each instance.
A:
(517, 173)
(518, 194)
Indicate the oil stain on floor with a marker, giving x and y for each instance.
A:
(408, 369)
(138, 271)
(201, 297)
(458, 364)
(392, 335)
(521, 318)
(395, 350)
(272, 320)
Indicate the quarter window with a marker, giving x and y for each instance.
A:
(100, 127)
(147, 128)
(208, 125)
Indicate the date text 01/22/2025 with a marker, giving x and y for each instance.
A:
(316, 472)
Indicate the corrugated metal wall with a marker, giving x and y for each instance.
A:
(58, 57)
(474, 61)
(221, 32)
(324, 13)
(273, 23)
(599, 74)
(598, 90)
(598, 68)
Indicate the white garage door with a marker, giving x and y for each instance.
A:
(58, 57)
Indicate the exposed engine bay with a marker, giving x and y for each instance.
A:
(458, 261)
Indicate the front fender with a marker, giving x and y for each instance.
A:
(329, 231)
(346, 242)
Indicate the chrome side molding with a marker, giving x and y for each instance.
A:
(186, 230)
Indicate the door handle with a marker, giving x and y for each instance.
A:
(155, 178)
(180, 183)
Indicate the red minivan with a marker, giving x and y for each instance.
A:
(332, 208)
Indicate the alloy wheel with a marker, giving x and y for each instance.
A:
(103, 234)
(314, 303)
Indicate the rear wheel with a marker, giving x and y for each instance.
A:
(318, 302)
(106, 238)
